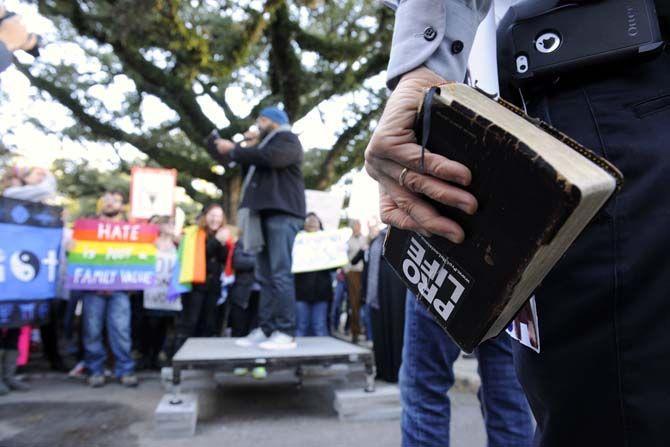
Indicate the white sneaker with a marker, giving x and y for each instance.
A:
(279, 340)
(254, 338)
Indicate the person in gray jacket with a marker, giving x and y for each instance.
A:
(432, 37)
(600, 377)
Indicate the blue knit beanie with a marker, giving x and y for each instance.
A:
(275, 114)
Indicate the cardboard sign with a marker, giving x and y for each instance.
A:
(112, 256)
(321, 250)
(326, 205)
(152, 192)
(156, 297)
(30, 238)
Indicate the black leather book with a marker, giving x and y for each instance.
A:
(537, 189)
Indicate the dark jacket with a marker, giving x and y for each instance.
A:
(216, 254)
(277, 185)
(312, 287)
(244, 264)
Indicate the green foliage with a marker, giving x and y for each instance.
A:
(77, 179)
(295, 52)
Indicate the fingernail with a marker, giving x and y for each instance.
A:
(456, 238)
(465, 207)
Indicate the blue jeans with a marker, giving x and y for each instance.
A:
(426, 375)
(276, 311)
(312, 319)
(114, 312)
(340, 297)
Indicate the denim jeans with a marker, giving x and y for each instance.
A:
(276, 310)
(312, 319)
(427, 374)
(112, 311)
(336, 308)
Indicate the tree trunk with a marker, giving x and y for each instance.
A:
(231, 197)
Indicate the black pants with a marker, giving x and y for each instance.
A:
(198, 315)
(154, 332)
(388, 324)
(50, 333)
(243, 321)
(9, 338)
(602, 377)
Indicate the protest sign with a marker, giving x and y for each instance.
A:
(30, 237)
(156, 297)
(320, 250)
(327, 205)
(109, 255)
(152, 192)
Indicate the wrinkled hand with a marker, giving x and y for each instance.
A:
(224, 146)
(14, 34)
(393, 147)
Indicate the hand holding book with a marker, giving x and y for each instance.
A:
(393, 148)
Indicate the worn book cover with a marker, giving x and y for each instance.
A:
(537, 189)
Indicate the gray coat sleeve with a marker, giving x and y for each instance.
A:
(428, 32)
(5, 57)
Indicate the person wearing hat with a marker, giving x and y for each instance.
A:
(271, 212)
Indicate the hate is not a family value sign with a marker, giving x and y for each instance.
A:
(110, 255)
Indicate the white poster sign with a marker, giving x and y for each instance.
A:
(321, 250)
(155, 297)
(152, 192)
(327, 205)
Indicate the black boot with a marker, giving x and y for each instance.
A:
(9, 371)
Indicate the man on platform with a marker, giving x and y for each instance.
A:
(110, 309)
(273, 207)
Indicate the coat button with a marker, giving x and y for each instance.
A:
(457, 46)
(429, 33)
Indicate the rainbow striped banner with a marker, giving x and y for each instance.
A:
(110, 255)
(190, 267)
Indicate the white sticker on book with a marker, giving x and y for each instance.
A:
(524, 328)
(439, 282)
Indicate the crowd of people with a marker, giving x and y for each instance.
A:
(601, 375)
(248, 292)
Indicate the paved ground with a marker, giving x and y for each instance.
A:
(62, 413)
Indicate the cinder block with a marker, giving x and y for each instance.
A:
(200, 383)
(176, 419)
(358, 405)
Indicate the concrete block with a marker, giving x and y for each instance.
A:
(176, 419)
(200, 383)
(358, 405)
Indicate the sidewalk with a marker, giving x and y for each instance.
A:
(467, 377)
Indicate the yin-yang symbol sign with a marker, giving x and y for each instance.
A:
(24, 265)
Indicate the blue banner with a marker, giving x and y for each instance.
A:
(30, 238)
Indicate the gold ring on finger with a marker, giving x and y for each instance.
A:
(401, 179)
